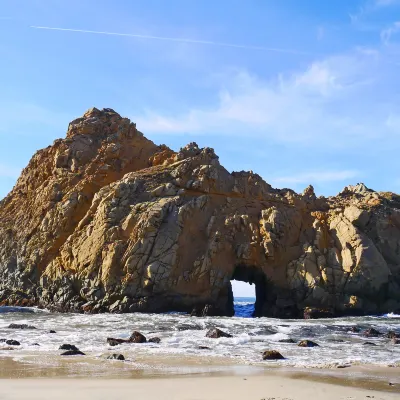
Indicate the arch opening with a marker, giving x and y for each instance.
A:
(244, 298)
(249, 281)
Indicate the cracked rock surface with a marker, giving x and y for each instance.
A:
(105, 220)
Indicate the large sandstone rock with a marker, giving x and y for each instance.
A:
(105, 220)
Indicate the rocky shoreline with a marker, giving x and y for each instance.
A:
(137, 338)
(106, 221)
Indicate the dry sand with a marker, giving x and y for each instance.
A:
(198, 388)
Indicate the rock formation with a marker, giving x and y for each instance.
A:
(105, 220)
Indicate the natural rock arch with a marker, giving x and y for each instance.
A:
(105, 220)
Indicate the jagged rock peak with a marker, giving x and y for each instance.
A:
(359, 188)
(94, 120)
(193, 150)
(309, 192)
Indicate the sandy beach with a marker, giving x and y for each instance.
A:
(198, 388)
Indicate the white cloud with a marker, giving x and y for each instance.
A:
(8, 171)
(315, 177)
(329, 102)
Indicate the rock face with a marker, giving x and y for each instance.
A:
(105, 220)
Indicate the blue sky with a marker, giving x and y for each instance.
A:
(298, 91)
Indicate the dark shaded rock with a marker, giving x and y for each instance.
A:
(209, 310)
(13, 342)
(286, 341)
(393, 335)
(344, 366)
(307, 343)
(395, 341)
(315, 313)
(73, 353)
(154, 340)
(116, 357)
(115, 342)
(217, 333)
(187, 327)
(52, 331)
(2, 340)
(371, 332)
(137, 337)
(204, 348)
(369, 344)
(355, 329)
(68, 347)
(336, 340)
(35, 344)
(272, 355)
(21, 326)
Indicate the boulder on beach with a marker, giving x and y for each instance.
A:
(137, 337)
(272, 355)
(307, 343)
(154, 340)
(13, 342)
(115, 342)
(73, 353)
(369, 344)
(217, 333)
(371, 332)
(115, 356)
(68, 347)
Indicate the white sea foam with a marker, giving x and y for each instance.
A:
(392, 315)
(182, 335)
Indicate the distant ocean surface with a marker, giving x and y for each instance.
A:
(244, 306)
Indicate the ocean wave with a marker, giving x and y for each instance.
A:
(392, 315)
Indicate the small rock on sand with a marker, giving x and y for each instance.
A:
(272, 355)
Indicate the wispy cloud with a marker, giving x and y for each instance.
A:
(331, 101)
(179, 40)
(370, 7)
(386, 34)
(315, 177)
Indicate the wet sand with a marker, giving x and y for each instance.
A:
(118, 377)
(185, 388)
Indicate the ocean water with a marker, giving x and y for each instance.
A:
(183, 336)
(244, 306)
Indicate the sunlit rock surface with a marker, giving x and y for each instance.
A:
(105, 220)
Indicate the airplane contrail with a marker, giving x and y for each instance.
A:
(172, 39)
